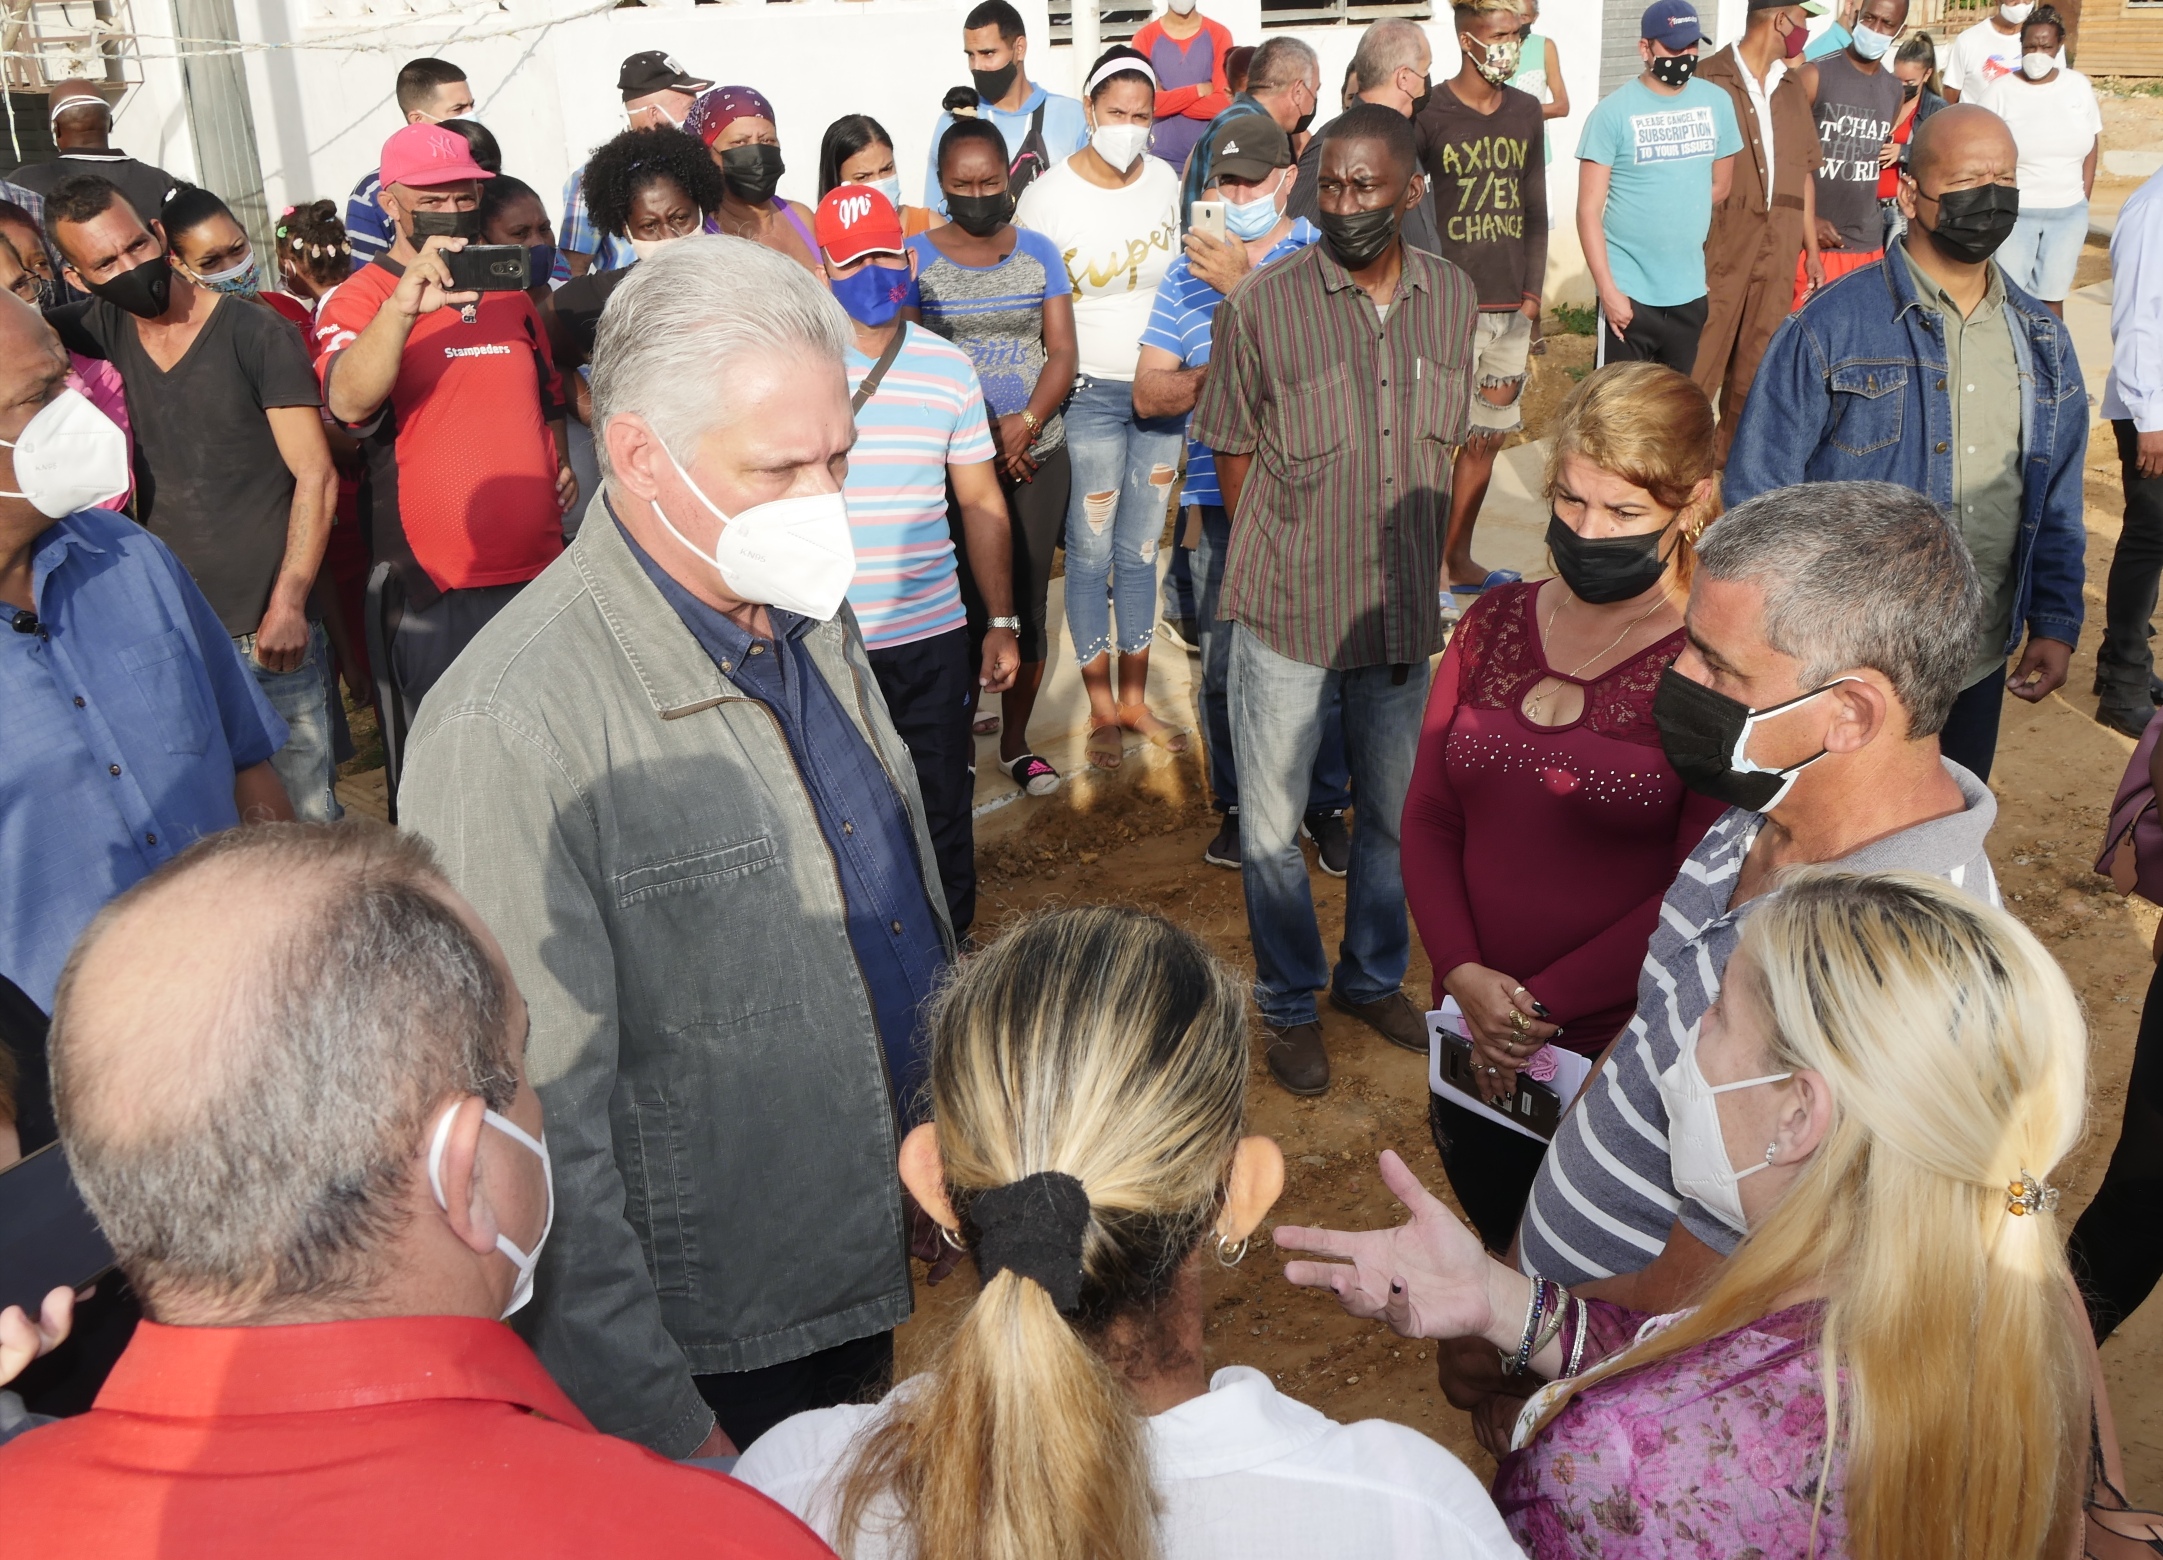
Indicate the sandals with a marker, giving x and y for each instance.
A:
(1107, 745)
(1033, 774)
(985, 726)
(1137, 719)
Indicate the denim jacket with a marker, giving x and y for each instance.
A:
(632, 827)
(1853, 388)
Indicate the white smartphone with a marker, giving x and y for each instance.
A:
(1209, 219)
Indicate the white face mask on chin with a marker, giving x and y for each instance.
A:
(524, 1261)
(1696, 1147)
(793, 553)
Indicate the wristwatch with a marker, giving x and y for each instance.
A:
(1013, 623)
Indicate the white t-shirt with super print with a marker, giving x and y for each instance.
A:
(1117, 245)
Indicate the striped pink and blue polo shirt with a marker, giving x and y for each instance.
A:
(927, 415)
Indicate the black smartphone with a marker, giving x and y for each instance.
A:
(490, 268)
(48, 1239)
(1535, 1106)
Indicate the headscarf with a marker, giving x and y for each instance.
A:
(720, 107)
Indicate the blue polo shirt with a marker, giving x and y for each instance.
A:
(892, 928)
(127, 715)
(1180, 322)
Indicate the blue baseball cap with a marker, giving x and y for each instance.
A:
(1672, 25)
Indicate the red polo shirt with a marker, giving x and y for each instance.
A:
(406, 1436)
(461, 462)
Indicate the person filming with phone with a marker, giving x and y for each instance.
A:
(460, 414)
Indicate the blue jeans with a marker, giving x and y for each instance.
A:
(1124, 468)
(2043, 250)
(1329, 788)
(1277, 707)
(302, 699)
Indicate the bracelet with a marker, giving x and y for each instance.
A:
(1554, 1322)
(1030, 420)
(1011, 623)
(1540, 1289)
(1577, 1346)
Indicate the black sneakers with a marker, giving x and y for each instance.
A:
(1223, 851)
(1332, 840)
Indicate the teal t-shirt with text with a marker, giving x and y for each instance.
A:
(1661, 147)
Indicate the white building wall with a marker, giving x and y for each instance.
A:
(322, 113)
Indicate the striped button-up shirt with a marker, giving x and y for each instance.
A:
(1352, 417)
(1605, 1199)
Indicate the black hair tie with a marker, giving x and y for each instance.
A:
(1034, 1227)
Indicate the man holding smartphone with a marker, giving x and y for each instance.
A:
(456, 402)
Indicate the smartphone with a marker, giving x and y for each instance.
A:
(1535, 1106)
(490, 268)
(48, 1239)
(1208, 218)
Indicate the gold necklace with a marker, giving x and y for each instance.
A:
(1541, 699)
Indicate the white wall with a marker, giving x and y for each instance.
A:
(321, 115)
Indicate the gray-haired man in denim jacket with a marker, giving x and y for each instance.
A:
(1931, 370)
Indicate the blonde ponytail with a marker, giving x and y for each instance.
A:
(1108, 1046)
(1953, 1362)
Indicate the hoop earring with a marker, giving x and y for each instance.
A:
(950, 1237)
(1238, 1253)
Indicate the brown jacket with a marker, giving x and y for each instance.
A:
(1747, 235)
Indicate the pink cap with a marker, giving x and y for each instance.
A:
(424, 155)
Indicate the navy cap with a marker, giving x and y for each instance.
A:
(1672, 24)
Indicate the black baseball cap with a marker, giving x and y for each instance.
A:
(1249, 146)
(654, 71)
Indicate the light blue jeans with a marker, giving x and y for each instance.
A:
(1278, 708)
(1124, 469)
(2043, 250)
(302, 699)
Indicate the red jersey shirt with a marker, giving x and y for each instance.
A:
(461, 464)
(410, 1436)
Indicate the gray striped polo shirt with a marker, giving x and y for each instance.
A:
(1604, 1201)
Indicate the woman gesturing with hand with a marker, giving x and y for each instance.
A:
(1430, 1278)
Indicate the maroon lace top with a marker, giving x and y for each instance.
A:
(1543, 851)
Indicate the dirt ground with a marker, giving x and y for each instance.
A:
(1142, 845)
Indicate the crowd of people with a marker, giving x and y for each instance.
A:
(686, 538)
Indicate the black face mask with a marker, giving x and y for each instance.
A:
(1356, 240)
(980, 216)
(1426, 91)
(1909, 89)
(444, 224)
(1305, 120)
(992, 85)
(751, 172)
(1972, 223)
(1610, 569)
(1675, 70)
(144, 292)
(1701, 730)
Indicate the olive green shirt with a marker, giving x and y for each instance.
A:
(1982, 381)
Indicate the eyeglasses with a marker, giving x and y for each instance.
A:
(27, 287)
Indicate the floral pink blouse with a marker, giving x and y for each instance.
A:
(1711, 1454)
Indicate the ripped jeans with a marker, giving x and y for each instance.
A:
(1124, 471)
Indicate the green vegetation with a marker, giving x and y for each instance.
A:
(1575, 319)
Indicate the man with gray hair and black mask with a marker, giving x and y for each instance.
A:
(289, 1073)
(1393, 66)
(666, 777)
(1830, 626)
